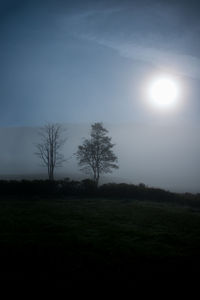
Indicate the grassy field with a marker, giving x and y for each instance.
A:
(96, 238)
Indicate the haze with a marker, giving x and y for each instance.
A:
(78, 62)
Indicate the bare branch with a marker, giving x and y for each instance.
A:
(48, 150)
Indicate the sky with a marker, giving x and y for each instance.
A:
(84, 61)
(79, 62)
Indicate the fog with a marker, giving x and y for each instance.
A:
(165, 156)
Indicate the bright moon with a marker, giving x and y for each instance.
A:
(163, 93)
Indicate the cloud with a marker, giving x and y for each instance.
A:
(186, 65)
(137, 38)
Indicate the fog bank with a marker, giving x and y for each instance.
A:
(157, 155)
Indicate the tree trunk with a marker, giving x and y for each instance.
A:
(51, 173)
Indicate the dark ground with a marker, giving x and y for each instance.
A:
(97, 238)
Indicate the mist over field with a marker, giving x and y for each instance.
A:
(165, 156)
(120, 81)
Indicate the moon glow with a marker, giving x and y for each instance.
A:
(163, 93)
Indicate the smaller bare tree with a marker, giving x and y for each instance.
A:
(48, 150)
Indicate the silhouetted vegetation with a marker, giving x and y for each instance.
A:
(48, 150)
(95, 156)
(88, 188)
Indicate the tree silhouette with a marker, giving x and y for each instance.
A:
(48, 150)
(95, 155)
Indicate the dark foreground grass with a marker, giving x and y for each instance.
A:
(97, 239)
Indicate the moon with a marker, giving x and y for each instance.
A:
(163, 92)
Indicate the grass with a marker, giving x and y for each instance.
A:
(96, 238)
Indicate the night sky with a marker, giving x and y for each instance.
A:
(85, 61)
(78, 62)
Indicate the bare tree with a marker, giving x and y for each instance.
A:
(48, 150)
(95, 155)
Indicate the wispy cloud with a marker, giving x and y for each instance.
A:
(186, 65)
(90, 25)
